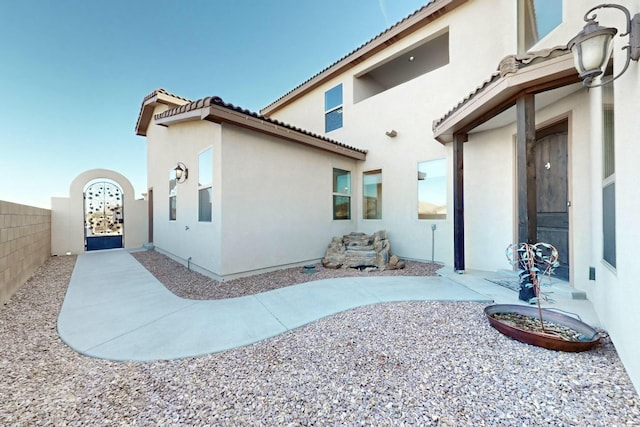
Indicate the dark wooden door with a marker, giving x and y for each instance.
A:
(553, 192)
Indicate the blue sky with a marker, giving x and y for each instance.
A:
(73, 72)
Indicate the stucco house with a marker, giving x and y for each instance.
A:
(442, 130)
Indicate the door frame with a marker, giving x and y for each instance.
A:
(546, 124)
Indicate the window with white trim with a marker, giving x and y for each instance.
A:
(341, 194)
(372, 194)
(173, 190)
(608, 174)
(205, 185)
(333, 108)
(432, 189)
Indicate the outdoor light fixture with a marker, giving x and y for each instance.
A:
(592, 46)
(391, 133)
(182, 173)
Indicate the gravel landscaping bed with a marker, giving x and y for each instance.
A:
(419, 363)
(189, 284)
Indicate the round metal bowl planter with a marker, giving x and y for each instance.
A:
(591, 336)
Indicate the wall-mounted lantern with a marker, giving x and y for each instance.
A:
(182, 173)
(592, 46)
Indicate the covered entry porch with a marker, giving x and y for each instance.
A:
(539, 185)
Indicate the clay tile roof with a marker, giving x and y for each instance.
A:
(159, 95)
(217, 101)
(164, 92)
(508, 65)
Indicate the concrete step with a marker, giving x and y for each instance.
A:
(557, 287)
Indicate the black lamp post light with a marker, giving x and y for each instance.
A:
(592, 46)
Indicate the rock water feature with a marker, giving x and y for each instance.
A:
(362, 251)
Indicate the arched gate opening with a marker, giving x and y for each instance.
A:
(103, 215)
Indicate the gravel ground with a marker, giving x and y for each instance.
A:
(426, 363)
(189, 284)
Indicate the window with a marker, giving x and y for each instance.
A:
(333, 108)
(608, 174)
(372, 194)
(172, 195)
(432, 189)
(205, 179)
(537, 19)
(341, 194)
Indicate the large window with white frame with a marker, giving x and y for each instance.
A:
(536, 19)
(372, 194)
(205, 185)
(173, 191)
(333, 108)
(341, 194)
(432, 189)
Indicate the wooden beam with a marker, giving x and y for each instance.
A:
(526, 169)
(458, 201)
(502, 93)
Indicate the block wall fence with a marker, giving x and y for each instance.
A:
(25, 244)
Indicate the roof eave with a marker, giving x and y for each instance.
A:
(503, 92)
(384, 40)
(149, 105)
(218, 114)
(222, 115)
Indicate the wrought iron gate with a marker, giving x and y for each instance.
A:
(103, 216)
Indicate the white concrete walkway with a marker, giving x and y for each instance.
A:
(115, 309)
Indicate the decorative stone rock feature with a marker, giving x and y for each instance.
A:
(363, 251)
(395, 263)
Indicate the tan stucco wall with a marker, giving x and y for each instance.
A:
(410, 109)
(277, 201)
(490, 158)
(258, 176)
(25, 244)
(614, 292)
(272, 199)
(67, 214)
(186, 236)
